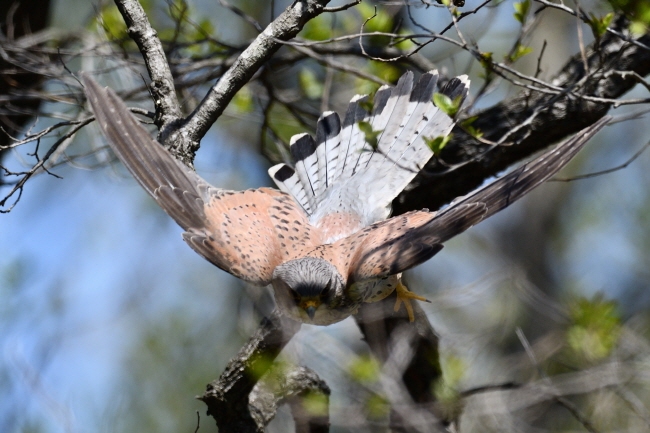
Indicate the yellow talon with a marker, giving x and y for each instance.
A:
(405, 295)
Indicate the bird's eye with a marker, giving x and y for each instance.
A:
(296, 297)
(326, 290)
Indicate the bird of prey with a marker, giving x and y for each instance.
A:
(325, 241)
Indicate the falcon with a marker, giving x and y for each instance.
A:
(325, 240)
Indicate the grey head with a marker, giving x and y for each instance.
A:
(311, 290)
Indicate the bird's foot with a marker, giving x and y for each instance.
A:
(405, 295)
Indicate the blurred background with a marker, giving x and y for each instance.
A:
(110, 323)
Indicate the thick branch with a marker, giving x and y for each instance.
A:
(228, 397)
(379, 324)
(300, 387)
(545, 120)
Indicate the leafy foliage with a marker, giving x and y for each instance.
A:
(595, 328)
(521, 10)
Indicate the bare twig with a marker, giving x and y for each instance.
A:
(285, 27)
(162, 82)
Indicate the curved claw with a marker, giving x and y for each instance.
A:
(405, 295)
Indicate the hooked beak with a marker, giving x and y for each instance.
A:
(310, 306)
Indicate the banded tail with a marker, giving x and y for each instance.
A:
(340, 170)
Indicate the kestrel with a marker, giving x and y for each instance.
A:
(325, 241)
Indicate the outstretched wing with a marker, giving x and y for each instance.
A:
(246, 233)
(405, 241)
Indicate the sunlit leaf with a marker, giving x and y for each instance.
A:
(316, 403)
(377, 406)
(595, 328)
(446, 104)
(318, 29)
(519, 52)
(468, 127)
(486, 62)
(387, 71)
(364, 369)
(637, 12)
(436, 144)
(599, 25)
(311, 86)
(521, 10)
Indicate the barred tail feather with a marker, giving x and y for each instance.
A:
(328, 144)
(288, 181)
(350, 136)
(401, 157)
(303, 151)
(393, 148)
(388, 120)
(368, 177)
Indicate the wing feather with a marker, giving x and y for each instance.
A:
(246, 233)
(400, 243)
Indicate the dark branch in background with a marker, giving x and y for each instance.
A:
(379, 324)
(16, 20)
(541, 120)
(228, 397)
(306, 394)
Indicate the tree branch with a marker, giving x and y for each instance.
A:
(283, 28)
(162, 82)
(228, 397)
(379, 324)
(300, 387)
(539, 120)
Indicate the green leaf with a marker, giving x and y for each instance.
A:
(436, 144)
(371, 136)
(316, 404)
(445, 103)
(243, 100)
(599, 25)
(377, 406)
(446, 388)
(638, 28)
(385, 70)
(406, 44)
(519, 52)
(470, 129)
(521, 10)
(310, 84)
(318, 29)
(366, 104)
(364, 369)
(486, 61)
(638, 13)
(596, 327)
(113, 23)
